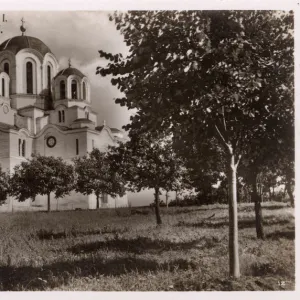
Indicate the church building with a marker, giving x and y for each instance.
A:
(47, 110)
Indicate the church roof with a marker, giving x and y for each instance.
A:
(99, 128)
(70, 71)
(8, 126)
(113, 130)
(29, 107)
(83, 120)
(18, 43)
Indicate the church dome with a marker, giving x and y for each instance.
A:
(70, 71)
(18, 43)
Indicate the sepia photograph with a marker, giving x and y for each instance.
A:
(147, 150)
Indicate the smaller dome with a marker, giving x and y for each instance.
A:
(70, 71)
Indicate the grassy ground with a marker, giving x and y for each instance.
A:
(114, 250)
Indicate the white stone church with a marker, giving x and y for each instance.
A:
(46, 111)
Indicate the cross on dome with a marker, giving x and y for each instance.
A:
(22, 28)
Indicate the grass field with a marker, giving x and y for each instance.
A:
(110, 250)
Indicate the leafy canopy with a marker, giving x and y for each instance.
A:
(4, 185)
(147, 162)
(42, 175)
(227, 74)
(96, 175)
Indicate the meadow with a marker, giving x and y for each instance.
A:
(124, 250)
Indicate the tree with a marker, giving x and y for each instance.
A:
(286, 159)
(95, 175)
(225, 75)
(42, 175)
(149, 163)
(4, 186)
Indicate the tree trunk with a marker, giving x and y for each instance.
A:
(167, 202)
(176, 198)
(49, 205)
(157, 212)
(258, 211)
(234, 264)
(97, 203)
(290, 192)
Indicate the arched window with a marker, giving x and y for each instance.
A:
(74, 89)
(63, 116)
(49, 78)
(84, 90)
(20, 144)
(29, 77)
(3, 87)
(23, 148)
(62, 90)
(59, 116)
(77, 146)
(6, 68)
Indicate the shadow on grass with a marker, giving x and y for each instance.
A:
(52, 235)
(137, 246)
(250, 208)
(289, 235)
(59, 273)
(242, 224)
(190, 210)
(274, 207)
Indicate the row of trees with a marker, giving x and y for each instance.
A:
(221, 84)
(44, 175)
(132, 166)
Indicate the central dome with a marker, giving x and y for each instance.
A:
(18, 43)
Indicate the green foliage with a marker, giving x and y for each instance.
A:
(96, 175)
(42, 175)
(223, 79)
(198, 70)
(4, 185)
(150, 163)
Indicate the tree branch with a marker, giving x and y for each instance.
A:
(224, 121)
(222, 137)
(240, 156)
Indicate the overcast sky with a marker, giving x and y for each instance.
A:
(79, 36)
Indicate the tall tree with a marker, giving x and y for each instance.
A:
(4, 185)
(209, 74)
(151, 163)
(42, 175)
(95, 175)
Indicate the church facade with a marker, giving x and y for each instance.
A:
(47, 111)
